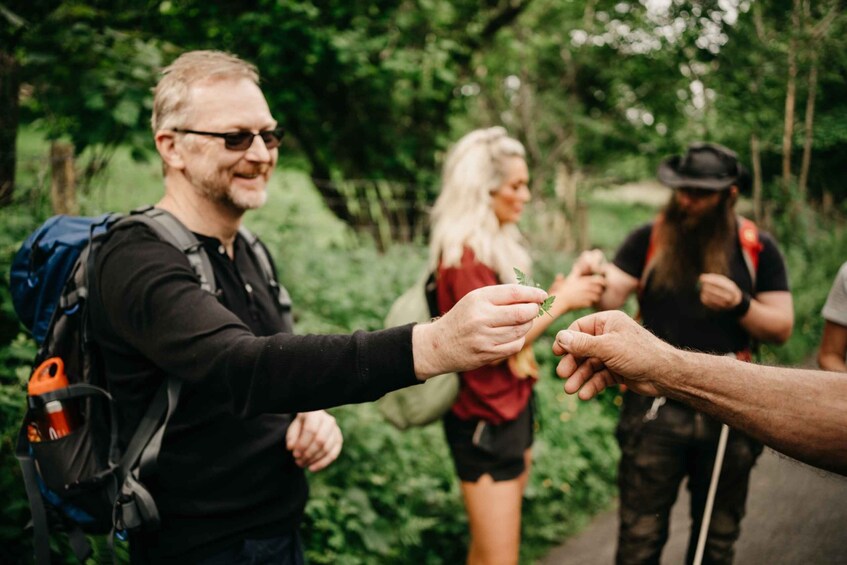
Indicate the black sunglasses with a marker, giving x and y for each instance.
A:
(242, 140)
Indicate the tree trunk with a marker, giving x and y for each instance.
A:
(582, 243)
(561, 221)
(809, 128)
(756, 158)
(9, 88)
(63, 181)
(790, 96)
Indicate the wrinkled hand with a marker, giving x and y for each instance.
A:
(315, 439)
(488, 324)
(718, 292)
(576, 291)
(590, 262)
(610, 348)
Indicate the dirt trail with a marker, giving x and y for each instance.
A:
(796, 515)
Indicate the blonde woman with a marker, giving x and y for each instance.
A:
(475, 242)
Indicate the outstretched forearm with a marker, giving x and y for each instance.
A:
(802, 413)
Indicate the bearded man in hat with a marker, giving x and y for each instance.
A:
(706, 280)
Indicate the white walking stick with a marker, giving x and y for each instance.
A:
(710, 499)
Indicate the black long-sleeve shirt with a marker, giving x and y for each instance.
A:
(223, 473)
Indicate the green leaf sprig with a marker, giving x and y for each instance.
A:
(524, 280)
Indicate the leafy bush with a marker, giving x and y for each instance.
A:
(16, 353)
(813, 246)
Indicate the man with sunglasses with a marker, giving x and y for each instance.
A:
(229, 481)
(710, 281)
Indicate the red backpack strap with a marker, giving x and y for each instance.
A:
(751, 245)
(652, 247)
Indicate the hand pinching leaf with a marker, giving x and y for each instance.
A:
(545, 306)
(524, 280)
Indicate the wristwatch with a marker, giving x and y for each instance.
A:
(741, 308)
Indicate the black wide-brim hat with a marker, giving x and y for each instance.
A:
(704, 165)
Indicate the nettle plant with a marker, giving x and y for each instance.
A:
(524, 280)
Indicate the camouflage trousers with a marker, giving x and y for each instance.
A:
(656, 454)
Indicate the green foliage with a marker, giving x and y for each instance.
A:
(89, 75)
(813, 261)
(16, 354)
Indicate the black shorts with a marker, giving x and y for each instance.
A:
(480, 448)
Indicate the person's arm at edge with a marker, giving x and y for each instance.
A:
(800, 412)
(833, 347)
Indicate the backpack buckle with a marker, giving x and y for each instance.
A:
(135, 507)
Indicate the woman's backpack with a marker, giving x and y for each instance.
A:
(424, 403)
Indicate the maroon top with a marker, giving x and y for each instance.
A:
(491, 393)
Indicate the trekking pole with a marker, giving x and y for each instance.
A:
(710, 499)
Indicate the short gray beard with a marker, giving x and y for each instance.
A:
(235, 200)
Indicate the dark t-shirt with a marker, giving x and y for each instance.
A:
(680, 318)
(223, 473)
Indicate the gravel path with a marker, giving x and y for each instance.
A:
(796, 515)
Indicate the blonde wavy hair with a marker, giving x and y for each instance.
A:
(463, 215)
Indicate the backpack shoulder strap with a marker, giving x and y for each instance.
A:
(40, 528)
(136, 506)
(652, 248)
(751, 245)
(171, 230)
(278, 291)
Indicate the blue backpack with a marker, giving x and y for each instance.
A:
(76, 478)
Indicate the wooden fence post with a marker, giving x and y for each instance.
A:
(63, 181)
(9, 87)
(756, 158)
(827, 203)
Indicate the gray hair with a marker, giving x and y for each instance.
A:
(171, 97)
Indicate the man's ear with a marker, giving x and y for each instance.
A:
(166, 146)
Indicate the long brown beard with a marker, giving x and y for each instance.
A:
(687, 246)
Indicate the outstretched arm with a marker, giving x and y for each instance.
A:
(802, 413)
(488, 324)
